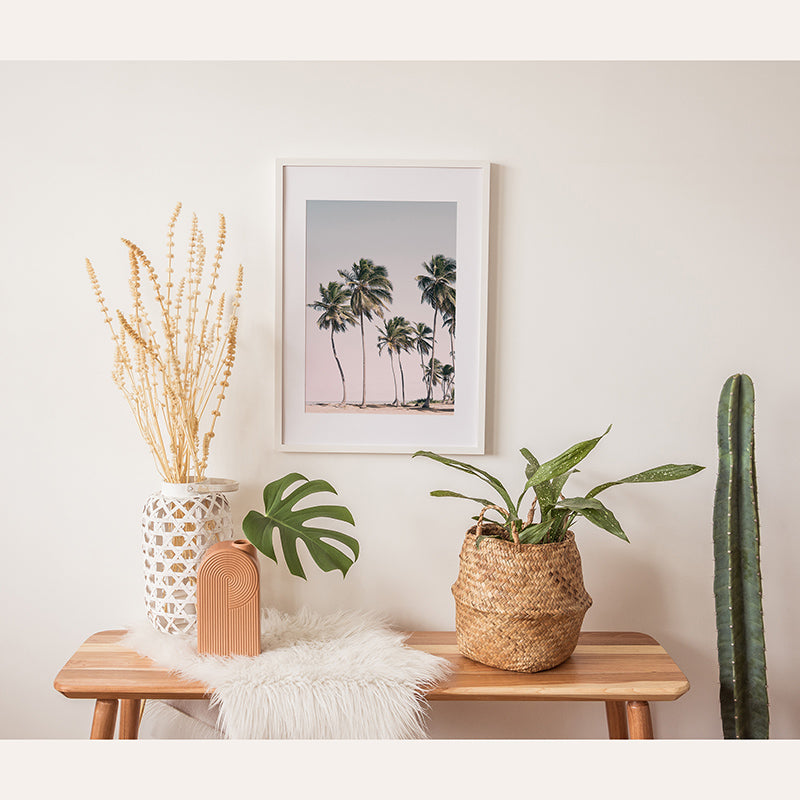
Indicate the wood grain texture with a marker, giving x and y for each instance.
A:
(607, 666)
(129, 715)
(102, 668)
(617, 719)
(640, 724)
(104, 719)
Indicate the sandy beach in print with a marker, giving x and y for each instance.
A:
(377, 408)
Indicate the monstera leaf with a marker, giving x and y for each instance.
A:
(290, 522)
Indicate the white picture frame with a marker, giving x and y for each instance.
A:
(327, 213)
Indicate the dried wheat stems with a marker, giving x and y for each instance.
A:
(174, 372)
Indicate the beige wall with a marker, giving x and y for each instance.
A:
(645, 245)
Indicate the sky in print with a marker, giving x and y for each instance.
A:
(399, 235)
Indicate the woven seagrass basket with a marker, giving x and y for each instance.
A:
(519, 606)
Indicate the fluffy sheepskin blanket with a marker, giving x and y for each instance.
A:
(342, 676)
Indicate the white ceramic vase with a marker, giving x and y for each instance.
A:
(179, 523)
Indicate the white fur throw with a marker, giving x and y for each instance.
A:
(343, 676)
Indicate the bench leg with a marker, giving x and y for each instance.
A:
(105, 717)
(617, 719)
(640, 724)
(129, 719)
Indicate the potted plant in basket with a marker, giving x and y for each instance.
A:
(520, 598)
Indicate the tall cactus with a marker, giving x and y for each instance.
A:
(737, 577)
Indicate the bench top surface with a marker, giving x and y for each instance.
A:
(604, 666)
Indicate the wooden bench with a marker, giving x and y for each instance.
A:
(625, 671)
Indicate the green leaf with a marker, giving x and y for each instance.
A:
(533, 464)
(252, 525)
(448, 493)
(487, 518)
(547, 498)
(667, 472)
(476, 471)
(530, 468)
(568, 459)
(595, 512)
(563, 518)
(290, 522)
(534, 534)
(546, 492)
(519, 501)
(580, 503)
(559, 481)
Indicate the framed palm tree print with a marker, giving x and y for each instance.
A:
(382, 271)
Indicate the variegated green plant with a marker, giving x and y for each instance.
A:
(279, 512)
(556, 512)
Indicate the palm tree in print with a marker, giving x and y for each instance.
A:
(422, 339)
(395, 337)
(370, 293)
(407, 330)
(437, 285)
(448, 376)
(449, 322)
(433, 373)
(336, 314)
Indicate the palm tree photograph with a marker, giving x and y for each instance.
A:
(380, 307)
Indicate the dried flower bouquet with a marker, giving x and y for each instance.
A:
(174, 373)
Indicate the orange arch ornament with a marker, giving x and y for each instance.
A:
(228, 600)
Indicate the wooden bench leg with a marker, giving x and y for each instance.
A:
(129, 719)
(617, 719)
(640, 724)
(105, 717)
